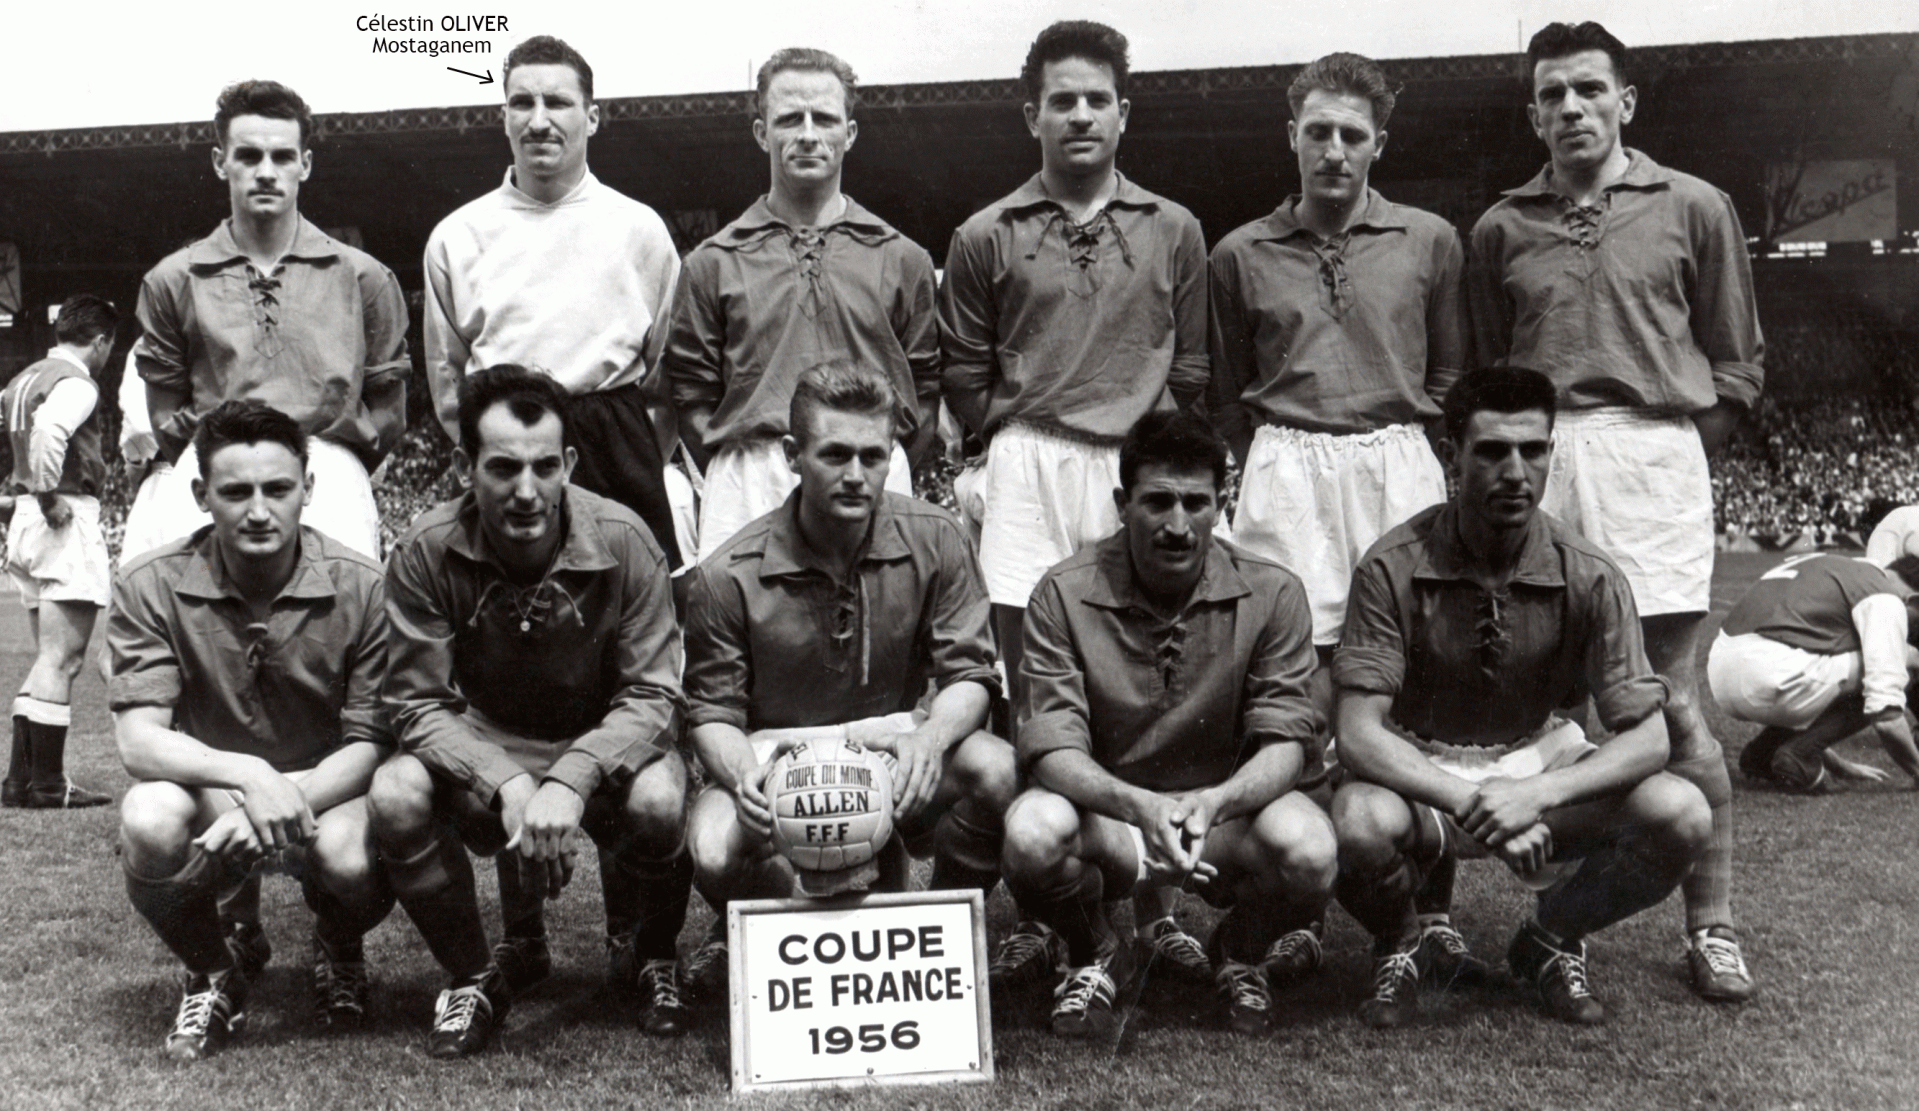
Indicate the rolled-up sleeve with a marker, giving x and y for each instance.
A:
(426, 708)
(1725, 311)
(1278, 706)
(643, 722)
(968, 324)
(1372, 649)
(1054, 712)
(1625, 691)
(961, 633)
(145, 668)
(363, 713)
(717, 669)
(383, 379)
(1192, 366)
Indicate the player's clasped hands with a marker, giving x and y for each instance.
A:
(1175, 829)
(278, 812)
(543, 822)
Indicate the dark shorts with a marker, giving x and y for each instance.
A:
(620, 459)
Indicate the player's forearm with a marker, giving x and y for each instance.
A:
(726, 752)
(1377, 755)
(957, 713)
(1271, 772)
(1621, 764)
(152, 751)
(969, 393)
(1075, 776)
(344, 775)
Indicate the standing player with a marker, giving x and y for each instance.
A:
(1072, 307)
(56, 554)
(1338, 326)
(535, 689)
(840, 608)
(245, 687)
(1164, 720)
(557, 272)
(1628, 285)
(806, 276)
(1816, 651)
(270, 307)
(1467, 628)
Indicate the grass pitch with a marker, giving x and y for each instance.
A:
(1826, 892)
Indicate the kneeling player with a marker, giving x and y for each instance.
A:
(1165, 718)
(843, 607)
(1816, 651)
(535, 690)
(1467, 627)
(247, 663)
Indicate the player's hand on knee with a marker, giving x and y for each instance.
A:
(231, 839)
(278, 810)
(917, 775)
(749, 802)
(1502, 809)
(549, 826)
(1529, 851)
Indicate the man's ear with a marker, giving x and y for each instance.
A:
(200, 495)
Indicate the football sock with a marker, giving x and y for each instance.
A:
(522, 910)
(435, 888)
(1069, 902)
(20, 763)
(339, 924)
(1435, 895)
(1145, 930)
(966, 850)
(647, 898)
(183, 910)
(1633, 872)
(46, 739)
(1708, 887)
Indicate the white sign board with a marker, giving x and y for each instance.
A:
(862, 989)
(1851, 201)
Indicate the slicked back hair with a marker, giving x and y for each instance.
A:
(1353, 74)
(805, 59)
(842, 388)
(1172, 438)
(246, 421)
(545, 50)
(1498, 389)
(1074, 38)
(528, 395)
(84, 318)
(269, 99)
(1562, 40)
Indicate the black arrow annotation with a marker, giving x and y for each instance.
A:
(487, 80)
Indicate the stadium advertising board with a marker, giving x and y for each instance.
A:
(1850, 201)
(861, 989)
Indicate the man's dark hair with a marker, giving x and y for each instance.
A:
(1907, 568)
(1354, 74)
(1074, 38)
(1562, 40)
(84, 318)
(262, 98)
(528, 395)
(545, 50)
(805, 59)
(1499, 389)
(1172, 438)
(246, 421)
(843, 388)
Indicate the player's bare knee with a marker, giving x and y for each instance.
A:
(400, 798)
(1297, 844)
(1371, 826)
(714, 840)
(156, 821)
(655, 807)
(987, 771)
(1675, 812)
(1040, 828)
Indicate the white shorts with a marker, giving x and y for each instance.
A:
(342, 507)
(686, 515)
(1036, 499)
(1314, 502)
(1556, 744)
(50, 564)
(745, 482)
(1758, 679)
(1638, 487)
(767, 741)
